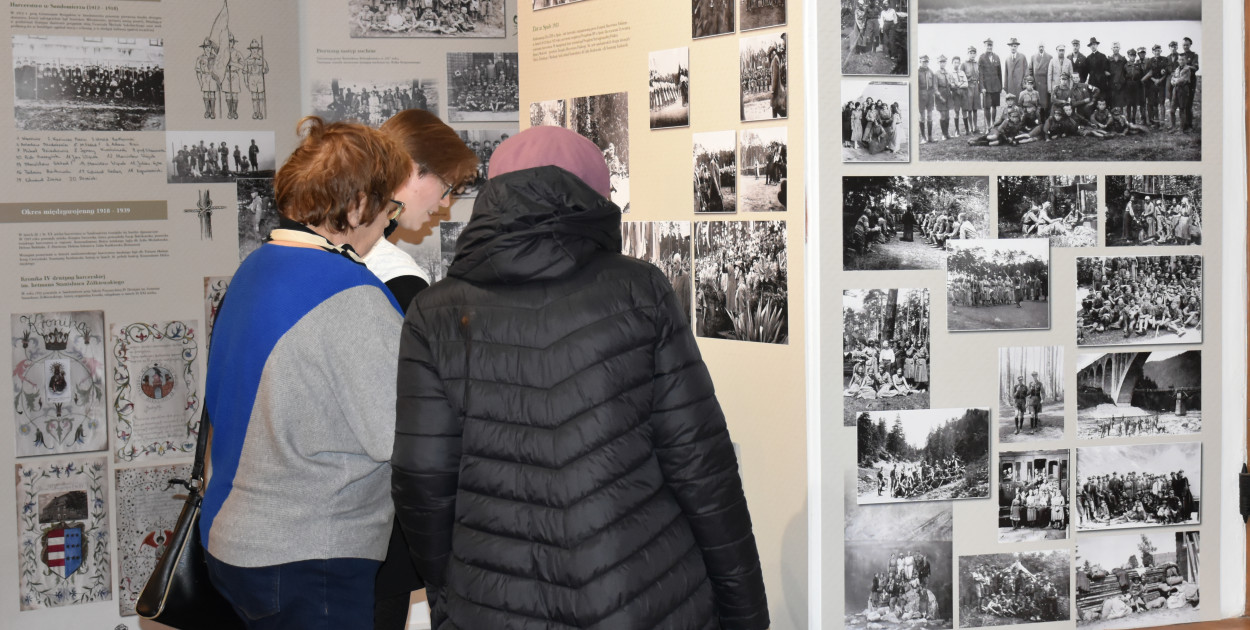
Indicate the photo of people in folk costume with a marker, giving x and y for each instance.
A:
(885, 356)
(1154, 210)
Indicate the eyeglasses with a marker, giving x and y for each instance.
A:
(394, 209)
(450, 188)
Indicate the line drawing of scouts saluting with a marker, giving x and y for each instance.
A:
(254, 70)
(990, 70)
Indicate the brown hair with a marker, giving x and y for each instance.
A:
(336, 166)
(432, 145)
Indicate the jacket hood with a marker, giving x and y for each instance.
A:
(534, 224)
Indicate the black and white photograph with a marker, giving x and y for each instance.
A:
(755, 14)
(1143, 485)
(876, 121)
(482, 87)
(448, 233)
(1004, 589)
(371, 102)
(258, 212)
(763, 77)
(905, 222)
(69, 83)
(427, 18)
(1062, 208)
(553, 113)
(998, 284)
(432, 249)
(483, 142)
(715, 172)
(762, 173)
(547, 4)
(709, 18)
(665, 244)
(1135, 300)
(741, 286)
(1138, 394)
(885, 351)
(899, 564)
(1030, 393)
(604, 119)
(1060, 81)
(1033, 495)
(874, 37)
(1137, 580)
(923, 455)
(204, 157)
(1154, 210)
(668, 83)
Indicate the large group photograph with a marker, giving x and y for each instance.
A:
(1138, 394)
(715, 171)
(1061, 208)
(68, 83)
(1059, 81)
(668, 87)
(709, 18)
(214, 157)
(1003, 589)
(1135, 300)
(371, 102)
(482, 86)
(741, 271)
(905, 222)
(876, 121)
(762, 176)
(998, 284)
(427, 18)
(1145, 485)
(1137, 580)
(1033, 495)
(665, 244)
(763, 77)
(885, 351)
(875, 37)
(1030, 393)
(923, 455)
(756, 14)
(1154, 210)
(899, 562)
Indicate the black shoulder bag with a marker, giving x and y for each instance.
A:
(179, 593)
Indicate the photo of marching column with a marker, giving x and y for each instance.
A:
(604, 119)
(665, 244)
(552, 113)
(905, 222)
(715, 172)
(669, 83)
(899, 564)
(885, 351)
(1138, 394)
(371, 102)
(709, 18)
(998, 284)
(764, 66)
(1063, 208)
(1137, 581)
(207, 157)
(1030, 394)
(1033, 495)
(762, 176)
(483, 142)
(427, 18)
(923, 455)
(876, 121)
(70, 83)
(874, 37)
(1060, 81)
(741, 287)
(482, 86)
(1135, 300)
(1002, 589)
(1144, 485)
(1154, 210)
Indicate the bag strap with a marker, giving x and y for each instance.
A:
(201, 445)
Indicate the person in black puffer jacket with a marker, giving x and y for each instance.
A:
(561, 460)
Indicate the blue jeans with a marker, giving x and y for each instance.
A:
(334, 594)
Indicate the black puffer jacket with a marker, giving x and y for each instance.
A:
(560, 458)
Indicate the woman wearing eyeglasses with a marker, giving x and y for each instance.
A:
(301, 393)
